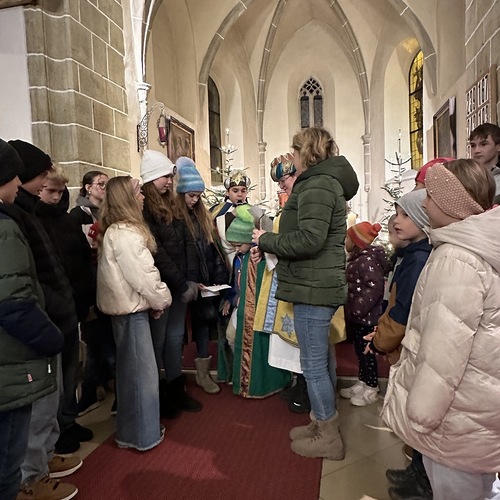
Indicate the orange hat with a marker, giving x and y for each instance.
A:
(363, 233)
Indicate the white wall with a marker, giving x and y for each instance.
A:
(15, 114)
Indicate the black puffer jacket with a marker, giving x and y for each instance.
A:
(72, 249)
(59, 303)
(176, 257)
(212, 269)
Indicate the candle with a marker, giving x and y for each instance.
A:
(351, 219)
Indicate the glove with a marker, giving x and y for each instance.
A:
(191, 293)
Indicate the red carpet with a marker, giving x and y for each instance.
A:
(234, 449)
(347, 362)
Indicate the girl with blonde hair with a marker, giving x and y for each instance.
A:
(128, 287)
(311, 275)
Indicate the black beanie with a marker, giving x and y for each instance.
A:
(10, 163)
(35, 161)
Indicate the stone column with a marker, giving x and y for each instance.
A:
(262, 170)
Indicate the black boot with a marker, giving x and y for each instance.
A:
(291, 391)
(167, 407)
(411, 483)
(300, 403)
(176, 392)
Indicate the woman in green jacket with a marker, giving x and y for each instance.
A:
(311, 275)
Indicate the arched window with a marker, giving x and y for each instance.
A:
(311, 104)
(214, 131)
(416, 86)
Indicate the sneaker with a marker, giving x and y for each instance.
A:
(353, 390)
(300, 405)
(79, 433)
(86, 407)
(113, 408)
(88, 401)
(48, 489)
(66, 444)
(300, 402)
(367, 397)
(63, 466)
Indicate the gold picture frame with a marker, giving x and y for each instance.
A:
(180, 140)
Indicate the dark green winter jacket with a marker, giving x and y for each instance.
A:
(310, 243)
(28, 339)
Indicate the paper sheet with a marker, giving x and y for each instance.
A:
(211, 291)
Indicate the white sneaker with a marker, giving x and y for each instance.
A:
(353, 390)
(367, 397)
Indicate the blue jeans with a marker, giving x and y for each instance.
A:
(168, 339)
(14, 431)
(317, 358)
(138, 411)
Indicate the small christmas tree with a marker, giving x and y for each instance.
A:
(393, 186)
(214, 195)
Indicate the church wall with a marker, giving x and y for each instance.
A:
(482, 41)
(321, 57)
(77, 85)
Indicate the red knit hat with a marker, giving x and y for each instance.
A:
(363, 233)
(423, 171)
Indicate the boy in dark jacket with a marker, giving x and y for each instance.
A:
(73, 252)
(60, 307)
(28, 339)
(365, 285)
(411, 220)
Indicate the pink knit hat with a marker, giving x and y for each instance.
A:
(449, 193)
(423, 171)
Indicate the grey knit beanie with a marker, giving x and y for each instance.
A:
(411, 203)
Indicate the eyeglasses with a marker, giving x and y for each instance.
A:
(101, 184)
(281, 182)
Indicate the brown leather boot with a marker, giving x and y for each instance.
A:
(326, 443)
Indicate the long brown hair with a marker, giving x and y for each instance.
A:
(201, 213)
(314, 144)
(161, 206)
(121, 205)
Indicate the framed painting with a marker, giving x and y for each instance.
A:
(445, 131)
(180, 140)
